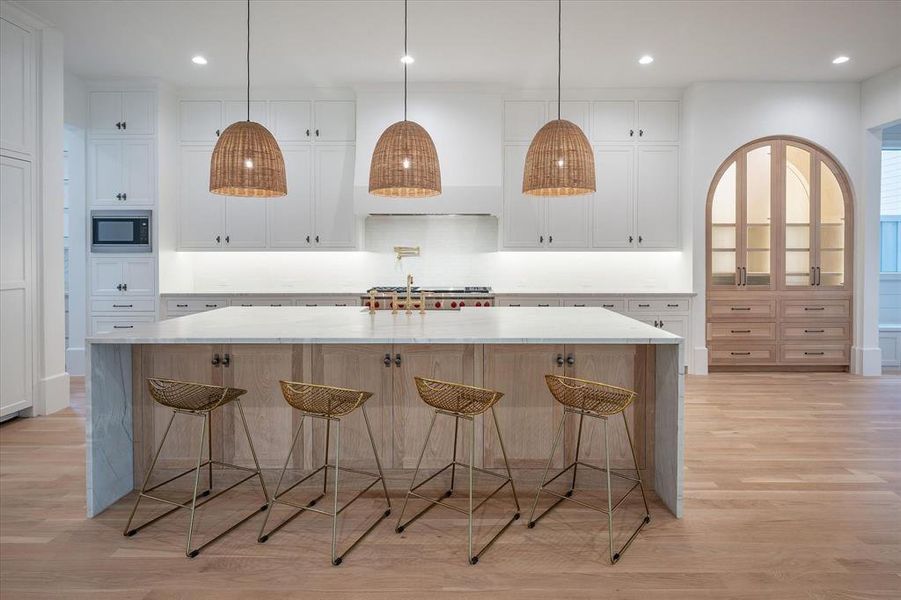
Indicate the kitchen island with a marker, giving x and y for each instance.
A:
(507, 349)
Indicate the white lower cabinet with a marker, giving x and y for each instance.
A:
(123, 277)
(614, 304)
(529, 302)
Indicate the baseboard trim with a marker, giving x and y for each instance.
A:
(866, 361)
(75, 362)
(52, 394)
(699, 361)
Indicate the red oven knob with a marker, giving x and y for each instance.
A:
(377, 304)
(487, 303)
(462, 304)
(478, 304)
(438, 304)
(453, 305)
(416, 305)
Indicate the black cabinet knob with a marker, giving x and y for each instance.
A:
(550, 239)
(227, 239)
(124, 196)
(540, 239)
(387, 360)
(217, 133)
(118, 196)
(630, 239)
(119, 125)
(397, 359)
(226, 360)
(218, 239)
(640, 239)
(641, 133)
(317, 133)
(215, 361)
(124, 287)
(317, 239)
(308, 133)
(308, 239)
(570, 359)
(559, 360)
(631, 132)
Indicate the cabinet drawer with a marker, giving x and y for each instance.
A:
(122, 306)
(614, 304)
(107, 324)
(741, 309)
(741, 331)
(818, 309)
(532, 302)
(260, 302)
(832, 354)
(817, 331)
(174, 305)
(743, 355)
(658, 305)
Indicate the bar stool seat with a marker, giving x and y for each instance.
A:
(330, 404)
(601, 401)
(461, 402)
(196, 399)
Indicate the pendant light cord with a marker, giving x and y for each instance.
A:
(405, 61)
(559, 50)
(248, 60)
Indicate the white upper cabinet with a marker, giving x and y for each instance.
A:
(120, 113)
(123, 172)
(657, 200)
(523, 216)
(577, 112)
(16, 77)
(245, 222)
(658, 121)
(568, 221)
(290, 120)
(612, 217)
(335, 121)
(236, 110)
(522, 120)
(613, 121)
(333, 199)
(291, 216)
(199, 120)
(201, 215)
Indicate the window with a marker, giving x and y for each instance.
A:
(890, 219)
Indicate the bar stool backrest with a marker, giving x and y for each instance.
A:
(190, 396)
(456, 397)
(324, 400)
(589, 396)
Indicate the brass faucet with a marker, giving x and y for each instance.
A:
(408, 305)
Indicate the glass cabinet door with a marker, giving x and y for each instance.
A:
(830, 263)
(724, 230)
(799, 232)
(757, 211)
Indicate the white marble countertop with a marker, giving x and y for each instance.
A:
(355, 325)
(357, 293)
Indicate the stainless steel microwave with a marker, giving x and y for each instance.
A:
(121, 230)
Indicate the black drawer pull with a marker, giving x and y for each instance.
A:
(740, 308)
(181, 306)
(740, 331)
(123, 326)
(672, 306)
(814, 353)
(740, 353)
(578, 305)
(123, 305)
(644, 306)
(814, 331)
(607, 305)
(543, 305)
(814, 308)
(211, 305)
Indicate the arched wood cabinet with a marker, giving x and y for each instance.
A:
(779, 244)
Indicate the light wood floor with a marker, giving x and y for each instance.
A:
(792, 491)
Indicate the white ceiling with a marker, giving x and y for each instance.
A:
(340, 43)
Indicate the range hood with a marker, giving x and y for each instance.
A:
(467, 129)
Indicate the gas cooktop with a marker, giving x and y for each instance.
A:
(474, 289)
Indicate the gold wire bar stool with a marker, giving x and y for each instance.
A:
(199, 400)
(599, 401)
(460, 402)
(329, 404)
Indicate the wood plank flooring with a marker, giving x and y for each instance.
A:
(793, 490)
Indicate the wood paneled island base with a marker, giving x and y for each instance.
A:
(507, 349)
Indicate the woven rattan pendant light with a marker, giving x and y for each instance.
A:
(559, 161)
(247, 161)
(405, 162)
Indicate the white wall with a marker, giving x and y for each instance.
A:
(720, 117)
(75, 98)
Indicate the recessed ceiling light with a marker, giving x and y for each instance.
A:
(839, 60)
(407, 59)
(199, 60)
(646, 59)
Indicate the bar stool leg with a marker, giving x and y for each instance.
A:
(188, 552)
(472, 450)
(378, 463)
(328, 431)
(613, 556)
(129, 532)
(500, 439)
(576, 459)
(400, 525)
(263, 537)
(547, 468)
(253, 453)
(336, 560)
(454, 462)
(209, 448)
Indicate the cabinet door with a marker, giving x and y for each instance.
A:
(201, 214)
(576, 112)
(674, 325)
(725, 231)
(138, 172)
(245, 222)
(800, 214)
(199, 120)
(106, 112)
(613, 121)
(105, 160)
(121, 323)
(657, 200)
(527, 415)
(290, 121)
(333, 201)
(445, 362)
(358, 367)
(139, 274)
(335, 121)
(658, 121)
(833, 228)
(16, 47)
(523, 216)
(568, 221)
(107, 275)
(291, 216)
(612, 204)
(755, 238)
(522, 120)
(138, 113)
(236, 110)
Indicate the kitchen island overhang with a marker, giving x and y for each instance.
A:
(509, 349)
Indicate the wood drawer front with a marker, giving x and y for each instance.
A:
(832, 354)
(743, 355)
(175, 305)
(816, 331)
(816, 309)
(122, 305)
(739, 309)
(744, 331)
(658, 305)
